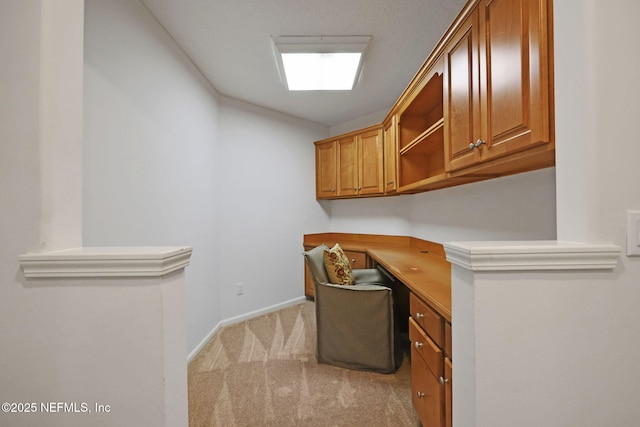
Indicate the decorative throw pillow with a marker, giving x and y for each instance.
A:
(338, 267)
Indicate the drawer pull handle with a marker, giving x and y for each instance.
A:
(443, 381)
(418, 345)
(420, 394)
(419, 315)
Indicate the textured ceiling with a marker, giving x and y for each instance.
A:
(230, 42)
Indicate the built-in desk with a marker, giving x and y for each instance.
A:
(419, 264)
(426, 274)
(423, 286)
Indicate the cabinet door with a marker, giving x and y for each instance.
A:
(462, 96)
(514, 75)
(326, 176)
(370, 162)
(347, 166)
(390, 156)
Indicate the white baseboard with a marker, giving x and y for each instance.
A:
(241, 318)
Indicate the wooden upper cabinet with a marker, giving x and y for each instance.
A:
(326, 172)
(350, 165)
(347, 166)
(462, 95)
(514, 74)
(481, 106)
(370, 162)
(390, 155)
(497, 90)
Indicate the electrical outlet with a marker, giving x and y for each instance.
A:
(240, 288)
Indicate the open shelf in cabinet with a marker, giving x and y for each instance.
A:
(422, 112)
(424, 159)
(421, 136)
(428, 141)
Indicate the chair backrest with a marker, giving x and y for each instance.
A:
(315, 262)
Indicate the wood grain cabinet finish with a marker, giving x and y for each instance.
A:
(370, 162)
(427, 319)
(390, 155)
(427, 378)
(481, 106)
(497, 84)
(326, 169)
(347, 166)
(351, 165)
(357, 259)
(462, 95)
(421, 133)
(431, 367)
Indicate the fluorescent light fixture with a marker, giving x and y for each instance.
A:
(320, 62)
(321, 71)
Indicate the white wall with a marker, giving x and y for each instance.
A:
(25, 355)
(598, 151)
(169, 162)
(150, 150)
(267, 203)
(60, 124)
(518, 207)
(372, 119)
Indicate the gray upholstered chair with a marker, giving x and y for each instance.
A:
(355, 324)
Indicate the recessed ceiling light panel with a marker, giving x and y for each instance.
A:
(320, 62)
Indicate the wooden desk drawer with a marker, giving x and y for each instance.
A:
(357, 259)
(428, 319)
(430, 353)
(427, 394)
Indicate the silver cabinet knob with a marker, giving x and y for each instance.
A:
(443, 381)
(420, 394)
(419, 315)
(477, 144)
(418, 345)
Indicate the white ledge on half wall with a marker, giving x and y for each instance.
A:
(549, 255)
(94, 262)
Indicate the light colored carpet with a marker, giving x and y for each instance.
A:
(263, 372)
